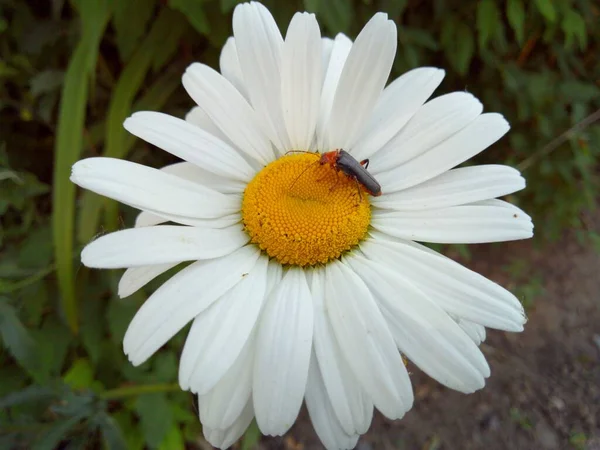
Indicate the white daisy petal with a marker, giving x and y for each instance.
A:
(225, 438)
(182, 298)
(135, 278)
(397, 105)
(455, 187)
(274, 275)
(147, 219)
(191, 172)
(152, 190)
(475, 331)
(422, 330)
(336, 61)
(473, 223)
(363, 78)
(228, 109)
(219, 333)
(301, 79)
(230, 66)
(433, 123)
(459, 291)
(162, 244)
(190, 143)
(223, 404)
(366, 341)
(466, 143)
(326, 48)
(259, 44)
(198, 117)
(321, 412)
(352, 407)
(283, 348)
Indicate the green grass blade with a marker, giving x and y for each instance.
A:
(69, 142)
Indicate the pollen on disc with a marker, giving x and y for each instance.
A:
(303, 213)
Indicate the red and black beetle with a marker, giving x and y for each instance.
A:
(343, 161)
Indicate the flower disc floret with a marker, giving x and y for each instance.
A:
(303, 213)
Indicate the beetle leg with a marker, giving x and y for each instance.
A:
(337, 180)
(365, 162)
(358, 188)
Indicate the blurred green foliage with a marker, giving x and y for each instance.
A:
(72, 71)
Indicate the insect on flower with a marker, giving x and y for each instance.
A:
(343, 161)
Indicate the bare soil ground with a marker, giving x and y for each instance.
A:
(544, 391)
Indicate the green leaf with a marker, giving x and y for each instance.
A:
(11, 381)
(73, 403)
(579, 91)
(111, 432)
(130, 20)
(155, 417)
(251, 437)
(488, 21)
(573, 25)
(36, 251)
(19, 188)
(69, 143)
(394, 8)
(173, 440)
(228, 5)
(459, 44)
(119, 314)
(312, 5)
(163, 52)
(53, 341)
(34, 299)
(337, 15)
(132, 433)
(80, 375)
(515, 11)
(165, 367)
(547, 9)
(92, 330)
(46, 81)
(58, 431)
(33, 393)
(420, 37)
(7, 287)
(16, 338)
(194, 12)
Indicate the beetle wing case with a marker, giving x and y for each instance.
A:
(351, 167)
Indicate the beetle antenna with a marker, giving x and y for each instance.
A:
(302, 173)
(299, 151)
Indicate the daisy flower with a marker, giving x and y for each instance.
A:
(303, 287)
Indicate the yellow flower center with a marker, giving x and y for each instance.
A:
(303, 213)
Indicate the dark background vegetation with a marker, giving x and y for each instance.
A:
(72, 71)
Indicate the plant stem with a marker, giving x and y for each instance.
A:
(555, 143)
(29, 280)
